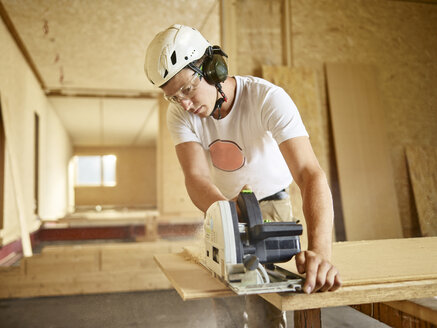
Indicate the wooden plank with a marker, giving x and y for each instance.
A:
(87, 283)
(416, 310)
(422, 166)
(191, 280)
(364, 166)
(287, 51)
(16, 182)
(308, 318)
(373, 267)
(90, 268)
(381, 261)
(301, 85)
(228, 33)
(348, 295)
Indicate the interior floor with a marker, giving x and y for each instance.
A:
(163, 308)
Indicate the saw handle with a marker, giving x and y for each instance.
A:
(275, 229)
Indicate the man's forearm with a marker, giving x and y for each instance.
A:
(202, 192)
(319, 214)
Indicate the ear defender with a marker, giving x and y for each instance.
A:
(214, 68)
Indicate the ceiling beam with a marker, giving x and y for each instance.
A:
(11, 28)
(102, 93)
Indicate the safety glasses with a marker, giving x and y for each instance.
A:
(185, 92)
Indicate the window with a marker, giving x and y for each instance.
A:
(95, 171)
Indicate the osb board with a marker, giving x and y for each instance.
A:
(301, 85)
(394, 36)
(173, 198)
(422, 165)
(364, 165)
(372, 271)
(258, 26)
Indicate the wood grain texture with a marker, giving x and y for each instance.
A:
(422, 312)
(392, 316)
(422, 166)
(372, 271)
(365, 171)
(383, 261)
(87, 269)
(301, 85)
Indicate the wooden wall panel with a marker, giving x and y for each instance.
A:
(364, 164)
(173, 199)
(301, 84)
(396, 37)
(422, 165)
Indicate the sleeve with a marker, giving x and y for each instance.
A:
(180, 126)
(281, 117)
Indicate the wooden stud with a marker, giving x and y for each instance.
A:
(308, 318)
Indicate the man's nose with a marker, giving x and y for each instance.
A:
(186, 104)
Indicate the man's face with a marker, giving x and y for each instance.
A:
(190, 93)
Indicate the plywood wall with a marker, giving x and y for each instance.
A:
(135, 175)
(173, 200)
(21, 96)
(397, 37)
(259, 35)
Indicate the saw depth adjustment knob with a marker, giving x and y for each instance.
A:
(250, 262)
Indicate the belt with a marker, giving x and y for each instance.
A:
(282, 194)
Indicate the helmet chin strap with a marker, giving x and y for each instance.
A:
(219, 102)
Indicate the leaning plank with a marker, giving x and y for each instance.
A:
(422, 165)
(364, 167)
(301, 85)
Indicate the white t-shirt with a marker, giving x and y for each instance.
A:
(242, 148)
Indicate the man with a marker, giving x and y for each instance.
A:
(232, 131)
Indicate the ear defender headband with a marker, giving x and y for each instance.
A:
(215, 71)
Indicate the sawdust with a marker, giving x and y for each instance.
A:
(196, 252)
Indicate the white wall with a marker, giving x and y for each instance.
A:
(21, 96)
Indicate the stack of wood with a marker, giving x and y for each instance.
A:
(88, 269)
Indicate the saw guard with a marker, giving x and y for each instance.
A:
(220, 243)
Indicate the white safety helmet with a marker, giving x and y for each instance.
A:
(171, 50)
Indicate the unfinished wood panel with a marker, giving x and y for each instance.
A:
(301, 85)
(396, 37)
(372, 271)
(173, 199)
(227, 30)
(416, 310)
(192, 281)
(260, 35)
(380, 261)
(90, 268)
(364, 165)
(308, 318)
(2, 168)
(422, 165)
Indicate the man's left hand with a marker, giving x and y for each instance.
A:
(321, 275)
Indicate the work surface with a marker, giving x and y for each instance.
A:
(372, 271)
